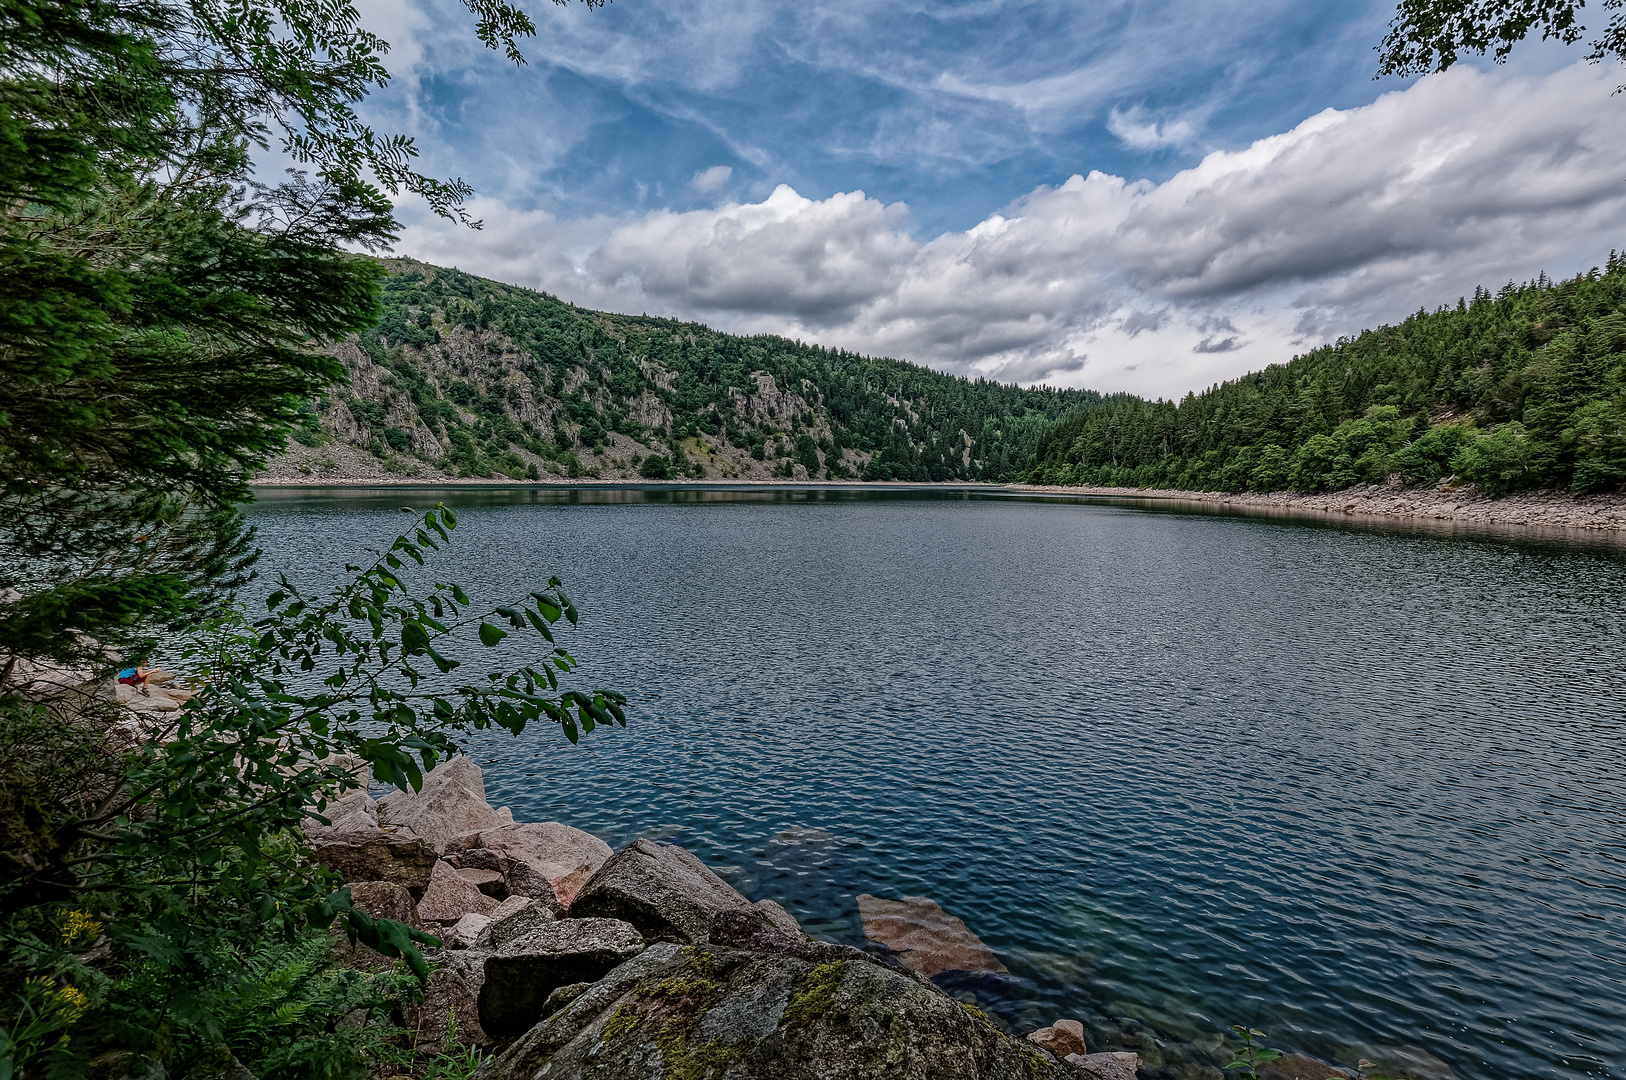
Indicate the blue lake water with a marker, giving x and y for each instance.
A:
(1362, 788)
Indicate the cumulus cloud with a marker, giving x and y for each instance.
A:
(1351, 218)
(713, 178)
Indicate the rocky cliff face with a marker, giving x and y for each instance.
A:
(467, 379)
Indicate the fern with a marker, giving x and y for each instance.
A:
(281, 1018)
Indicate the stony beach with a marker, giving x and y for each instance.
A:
(1466, 505)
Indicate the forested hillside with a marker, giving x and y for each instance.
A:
(1524, 389)
(464, 377)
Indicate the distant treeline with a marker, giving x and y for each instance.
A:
(592, 373)
(1522, 389)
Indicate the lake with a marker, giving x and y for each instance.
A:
(1363, 788)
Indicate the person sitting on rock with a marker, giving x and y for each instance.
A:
(134, 676)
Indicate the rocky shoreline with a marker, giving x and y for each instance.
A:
(561, 957)
(566, 959)
(1556, 510)
(1465, 505)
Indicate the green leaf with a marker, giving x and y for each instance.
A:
(414, 638)
(448, 518)
(490, 635)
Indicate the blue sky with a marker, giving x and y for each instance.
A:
(895, 177)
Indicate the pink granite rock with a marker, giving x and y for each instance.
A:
(447, 897)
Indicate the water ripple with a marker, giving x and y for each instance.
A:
(1360, 788)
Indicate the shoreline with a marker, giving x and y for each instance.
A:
(1467, 506)
(1601, 513)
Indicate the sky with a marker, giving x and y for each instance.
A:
(1145, 196)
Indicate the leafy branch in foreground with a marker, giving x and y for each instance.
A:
(191, 853)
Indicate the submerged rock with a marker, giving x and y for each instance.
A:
(1300, 1067)
(665, 891)
(1118, 1065)
(705, 1011)
(522, 972)
(926, 938)
(1063, 1038)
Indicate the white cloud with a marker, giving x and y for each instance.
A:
(1351, 218)
(713, 178)
(1136, 131)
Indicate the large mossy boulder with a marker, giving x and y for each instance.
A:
(693, 1012)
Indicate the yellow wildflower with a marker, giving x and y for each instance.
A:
(79, 928)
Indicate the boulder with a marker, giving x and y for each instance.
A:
(562, 996)
(386, 900)
(779, 918)
(709, 1011)
(465, 933)
(446, 996)
(667, 893)
(1114, 1066)
(489, 882)
(451, 802)
(926, 938)
(1059, 1040)
(372, 855)
(520, 974)
(356, 812)
(511, 906)
(545, 860)
(470, 965)
(515, 925)
(447, 897)
(751, 930)
(381, 900)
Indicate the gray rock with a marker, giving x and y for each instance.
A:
(385, 900)
(709, 1011)
(466, 932)
(1113, 1066)
(562, 996)
(381, 900)
(1299, 1067)
(521, 973)
(219, 1064)
(515, 925)
(489, 882)
(664, 891)
(446, 995)
(470, 966)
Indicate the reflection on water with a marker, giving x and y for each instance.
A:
(1359, 784)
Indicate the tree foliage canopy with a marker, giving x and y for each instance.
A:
(1523, 389)
(1431, 35)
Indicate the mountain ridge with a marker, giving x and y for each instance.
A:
(464, 378)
